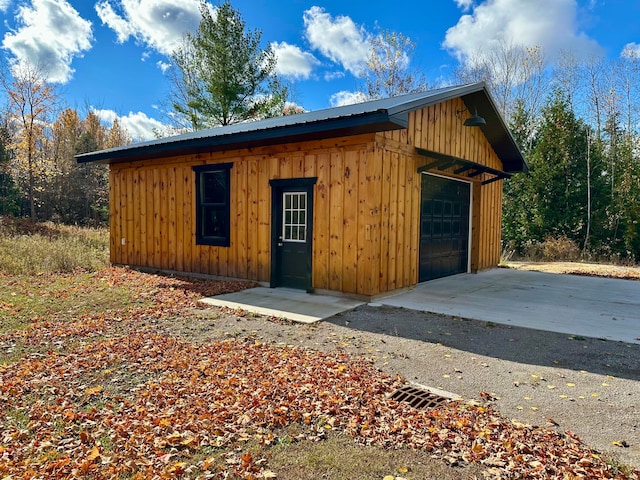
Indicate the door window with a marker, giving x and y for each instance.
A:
(294, 217)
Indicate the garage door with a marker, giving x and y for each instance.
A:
(444, 227)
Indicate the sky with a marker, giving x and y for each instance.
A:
(111, 56)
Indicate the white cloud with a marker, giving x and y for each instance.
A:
(106, 115)
(292, 61)
(163, 66)
(344, 97)
(329, 76)
(159, 24)
(138, 125)
(550, 24)
(465, 5)
(109, 17)
(631, 50)
(4, 5)
(50, 34)
(338, 39)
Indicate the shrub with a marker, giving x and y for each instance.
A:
(553, 249)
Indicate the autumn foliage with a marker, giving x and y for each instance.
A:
(106, 395)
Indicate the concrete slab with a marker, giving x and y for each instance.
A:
(575, 305)
(295, 305)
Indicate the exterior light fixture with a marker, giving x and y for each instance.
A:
(475, 120)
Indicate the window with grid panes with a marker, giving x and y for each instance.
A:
(294, 219)
(213, 204)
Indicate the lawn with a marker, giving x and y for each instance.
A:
(93, 385)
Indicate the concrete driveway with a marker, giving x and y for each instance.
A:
(574, 305)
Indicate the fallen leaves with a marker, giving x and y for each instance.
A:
(95, 453)
(117, 400)
(200, 396)
(622, 443)
(225, 393)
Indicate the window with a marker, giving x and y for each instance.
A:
(213, 204)
(294, 222)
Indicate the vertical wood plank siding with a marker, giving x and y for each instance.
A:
(366, 206)
(440, 128)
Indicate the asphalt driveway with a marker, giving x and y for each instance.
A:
(569, 304)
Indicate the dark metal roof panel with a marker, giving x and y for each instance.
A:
(226, 138)
(366, 117)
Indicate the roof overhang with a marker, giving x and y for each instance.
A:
(496, 130)
(472, 169)
(174, 146)
(368, 117)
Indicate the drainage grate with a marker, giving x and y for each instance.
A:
(419, 398)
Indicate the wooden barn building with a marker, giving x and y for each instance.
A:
(362, 200)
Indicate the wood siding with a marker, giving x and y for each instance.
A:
(366, 206)
(440, 128)
(153, 214)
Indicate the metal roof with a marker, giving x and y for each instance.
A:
(367, 117)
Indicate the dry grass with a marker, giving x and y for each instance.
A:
(27, 249)
(28, 298)
(553, 248)
(578, 268)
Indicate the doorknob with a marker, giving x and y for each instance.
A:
(280, 244)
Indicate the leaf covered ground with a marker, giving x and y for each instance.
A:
(580, 268)
(94, 390)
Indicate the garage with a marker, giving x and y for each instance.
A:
(444, 227)
(360, 200)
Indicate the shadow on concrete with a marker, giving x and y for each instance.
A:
(517, 344)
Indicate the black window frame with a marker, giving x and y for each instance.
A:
(223, 240)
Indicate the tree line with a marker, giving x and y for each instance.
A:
(220, 75)
(39, 177)
(576, 122)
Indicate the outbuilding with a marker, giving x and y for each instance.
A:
(360, 200)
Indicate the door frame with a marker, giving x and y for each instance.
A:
(278, 187)
(470, 228)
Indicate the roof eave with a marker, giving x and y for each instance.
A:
(477, 98)
(390, 114)
(498, 135)
(367, 123)
(446, 94)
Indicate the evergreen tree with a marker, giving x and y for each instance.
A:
(222, 75)
(517, 196)
(553, 199)
(623, 189)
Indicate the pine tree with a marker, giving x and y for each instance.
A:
(564, 190)
(518, 193)
(222, 75)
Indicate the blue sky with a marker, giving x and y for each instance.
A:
(110, 55)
